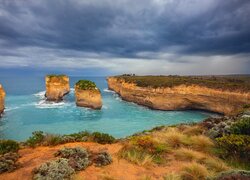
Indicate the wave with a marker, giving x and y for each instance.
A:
(43, 104)
(11, 108)
(107, 90)
(40, 94)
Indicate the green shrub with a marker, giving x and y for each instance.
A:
(102, 138)
(246, 106)
(36, 138)
(8, 146)
(56, 170)
(79, 136)
(78, 157)
(85, 85)
(238, 145)
(241, 127)
(52, 140)
(8, 162)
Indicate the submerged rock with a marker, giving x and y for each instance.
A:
(56, 87)
(88, 95)
(2, 98)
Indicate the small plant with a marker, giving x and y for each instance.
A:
(103, 159)
(52, 140)
(36, 138)
(241, 127)
(193, 171)
(8, 146)
(246, 106)
(8, 162)
(237, 145)
(85, 85)
(79, 136)
(56, 170)
(102, 138)
(214, 164)
(78, 157)
(185, 154)
(176, 139)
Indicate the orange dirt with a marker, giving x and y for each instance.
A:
(120, 169)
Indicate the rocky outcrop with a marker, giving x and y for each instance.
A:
(88, 95)
(56, 87)
(181, 97)
(2, 98)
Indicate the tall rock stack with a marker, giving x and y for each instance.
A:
(56, 87)
(2, 98)
(88, 95)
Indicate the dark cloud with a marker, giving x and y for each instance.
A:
(126, 27)
(108, 33)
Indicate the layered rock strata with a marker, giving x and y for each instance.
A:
(181, 97)
(56, 87)
(2, 99)
(88, 95)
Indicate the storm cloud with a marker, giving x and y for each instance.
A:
(143, 36)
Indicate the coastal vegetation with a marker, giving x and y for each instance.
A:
(241, 83)
(85, 85)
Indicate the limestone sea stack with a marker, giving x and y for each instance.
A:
(88, 95)
(225, 95)
(2, 98)
(56, 87)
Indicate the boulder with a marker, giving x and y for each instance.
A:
(88, 95)
(2, 98)
(56, 87)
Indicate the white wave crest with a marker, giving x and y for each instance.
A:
(40, 94)
(107, 90)
(43, 104)
(11, 108)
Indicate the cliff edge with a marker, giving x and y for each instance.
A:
(56, 87)
(88, 95)
(2, 98)
(180, 93)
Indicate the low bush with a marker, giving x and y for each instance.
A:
(80, 136)
(8, 162)
(78, 157)
(241, 127)
(7, 146)
(102, 138)
(193, 171)
(85, 84)
(52, 140)
(102, 159)
(233, 174)
(57, 170)
(36, 138)
(238, 145)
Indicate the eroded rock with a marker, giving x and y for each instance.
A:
(2, 99)
(56, 87)
(88, 95)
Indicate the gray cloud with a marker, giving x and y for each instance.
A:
(110, 33)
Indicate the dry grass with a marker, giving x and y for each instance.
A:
(194, 171)
(193, 130)
(184, 154)
(215, 165)
(172, 176)
(201, 143)
(175, 139)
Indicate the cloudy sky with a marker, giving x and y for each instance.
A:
(102, 37)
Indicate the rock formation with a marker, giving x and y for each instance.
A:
(181, 97)
(2, 97)
(88, 95)
(56, 87)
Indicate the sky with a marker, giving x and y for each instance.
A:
(107, 37)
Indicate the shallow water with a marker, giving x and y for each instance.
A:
(27, 111)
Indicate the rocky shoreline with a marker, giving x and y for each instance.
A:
(181, 97)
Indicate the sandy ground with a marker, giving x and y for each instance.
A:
(120, 169)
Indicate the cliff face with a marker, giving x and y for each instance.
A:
(56, 87)
(90, 98)
(2, 97)
(181, 97)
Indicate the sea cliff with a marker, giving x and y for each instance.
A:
(181, 95)
(88, 95)
(2, 97)
(56, 87)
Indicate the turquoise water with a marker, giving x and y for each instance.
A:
(27, 111)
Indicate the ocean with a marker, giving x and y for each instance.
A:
(27, 111)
